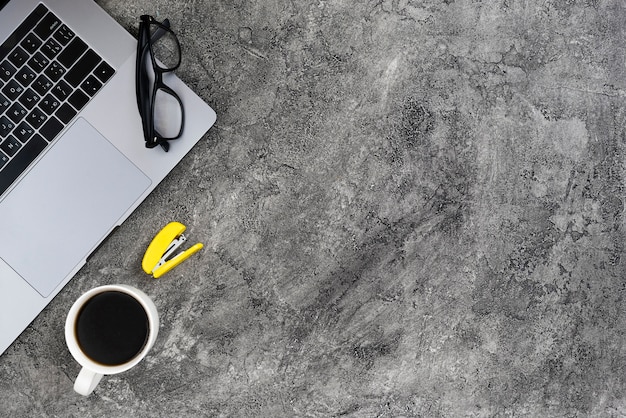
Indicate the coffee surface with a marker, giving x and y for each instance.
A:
(112, 328)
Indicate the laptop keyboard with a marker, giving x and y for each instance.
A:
(47, 75)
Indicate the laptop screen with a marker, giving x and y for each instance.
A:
(3, 3)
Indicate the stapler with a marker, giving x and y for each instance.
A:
(158, 258)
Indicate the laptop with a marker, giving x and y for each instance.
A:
(73, 164)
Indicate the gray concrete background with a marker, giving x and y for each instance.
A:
(409, 208)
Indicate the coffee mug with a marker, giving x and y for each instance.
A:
(108, 330)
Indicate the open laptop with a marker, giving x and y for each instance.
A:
(73, 164)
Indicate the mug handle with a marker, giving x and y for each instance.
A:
(86, 381)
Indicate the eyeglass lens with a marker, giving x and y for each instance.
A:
(167, 114)
(165, 47)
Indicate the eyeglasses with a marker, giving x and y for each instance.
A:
(161, 110)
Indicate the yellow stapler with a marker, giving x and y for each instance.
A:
(157, 260)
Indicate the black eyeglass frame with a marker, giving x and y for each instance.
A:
(142, 81)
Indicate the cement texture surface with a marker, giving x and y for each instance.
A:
(409, 209)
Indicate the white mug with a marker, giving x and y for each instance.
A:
(102, 329)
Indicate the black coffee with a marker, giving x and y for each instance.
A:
(112, 328)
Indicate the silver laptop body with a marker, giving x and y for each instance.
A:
(89, 178)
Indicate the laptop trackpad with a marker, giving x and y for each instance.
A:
(66, 205)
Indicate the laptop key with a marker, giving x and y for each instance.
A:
(51, 129)
(51, 48)
(23, 132)
(29, 99)
(10, 146)
(49, 104)
(36, 117)
(104, 72)
(65, 113)
(25, 76)
(63, 35)
(91, 85)
(31, 43)
(47, 25)
(6, 70)
(38, 62)
(18, 57)
(62, 90)
(70, 54)
(54, 71)
(83, 67)
(6, 126)
(12, 90)
(42, 85)
(16, 112)
(18, 164)
(78, 99)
